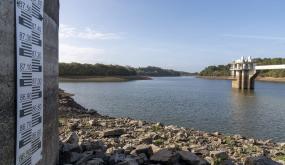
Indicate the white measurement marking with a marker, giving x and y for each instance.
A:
(29, 45)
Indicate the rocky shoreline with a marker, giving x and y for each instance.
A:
(88, 138)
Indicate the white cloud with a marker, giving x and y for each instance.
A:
(255, 37)
(87, 33)
(70, 53)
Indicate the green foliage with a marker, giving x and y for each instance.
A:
(224, 70)
(156, 128)
(273, 61)
(156, 72)
(158, 142)
(220, 70)
(228, 140)
(281, 157)
(77, 69)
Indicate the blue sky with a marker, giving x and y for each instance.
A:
(176, 34)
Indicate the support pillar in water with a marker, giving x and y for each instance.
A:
(243, 73)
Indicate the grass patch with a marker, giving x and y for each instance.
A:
(156, 128)
(61, 121)
(228, 140)
(158, 142)
(281, 157)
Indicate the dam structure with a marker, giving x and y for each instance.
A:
(244, 72)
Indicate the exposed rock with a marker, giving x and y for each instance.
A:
(117, 158)
(155, 148)
(165, 156)
(93, 122)
(113, 132)
(222, 155)
(85, 158)
(227, 162)
(145, 140)
(73, 126)
(281, 161)
(141, 158)
(70, 157)
(261, 160)
(95, 161)
(92, 112)
(216, 133)
(94, 145)
(129, 161)
(146, 149)
(72, 139)
(138, 123)
(191, 158)
(128, 148)
(282, 144)
(89, 138)
(71, 148)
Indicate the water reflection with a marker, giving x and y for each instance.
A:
(244, 111)
(191, 102)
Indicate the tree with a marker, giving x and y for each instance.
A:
(224, 70)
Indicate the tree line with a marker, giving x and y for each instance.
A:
(157, 72)
(220, 70)
(77, 69)
(224, 70)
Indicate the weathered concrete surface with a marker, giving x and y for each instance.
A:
(52, 9)
(50, 135)
(243, 70)
(7, 83)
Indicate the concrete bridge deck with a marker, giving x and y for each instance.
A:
(269, 67)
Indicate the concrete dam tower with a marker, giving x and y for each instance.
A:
(29, 82)
(244, 72)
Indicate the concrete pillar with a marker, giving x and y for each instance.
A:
(242, 79)
(251, 81)
(7, 83)
(238, 79)
(8, 89)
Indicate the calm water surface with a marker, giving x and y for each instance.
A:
(209, 105)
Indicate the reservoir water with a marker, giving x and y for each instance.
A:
(208, 105)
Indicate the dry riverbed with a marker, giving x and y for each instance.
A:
(88, 138)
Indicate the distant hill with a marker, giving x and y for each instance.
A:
(77, 69)
(159, 72)
(224, 70)
(220, 70)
